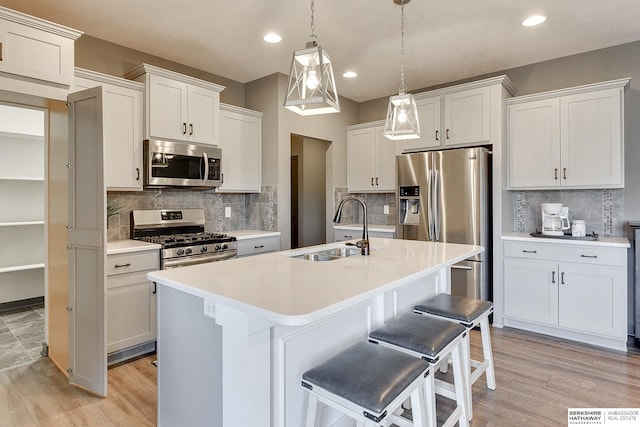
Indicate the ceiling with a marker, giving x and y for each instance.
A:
(446, 40)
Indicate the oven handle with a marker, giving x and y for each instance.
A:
(183, 262)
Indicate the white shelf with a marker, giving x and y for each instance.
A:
(21, 223)
(21, 268)
(21, 178)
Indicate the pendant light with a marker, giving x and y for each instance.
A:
(312, 87)
(402, 114)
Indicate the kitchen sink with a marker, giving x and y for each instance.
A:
(328, 254)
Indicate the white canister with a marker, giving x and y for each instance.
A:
(578, 228)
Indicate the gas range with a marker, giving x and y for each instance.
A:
(182, 236)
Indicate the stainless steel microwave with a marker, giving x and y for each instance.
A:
(181, 164)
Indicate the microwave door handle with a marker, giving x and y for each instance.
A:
(206, 167)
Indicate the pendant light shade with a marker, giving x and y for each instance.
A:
(312, 87)
(402, 115)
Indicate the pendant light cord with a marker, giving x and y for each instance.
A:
(313, 24)
(403, 87)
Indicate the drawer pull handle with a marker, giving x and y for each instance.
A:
(588, 256)
(562, 278)
(123, 265)
(258, 247)
(348, 237)
(529, 252)
(553, 277)
(555, 174)
(155, 288)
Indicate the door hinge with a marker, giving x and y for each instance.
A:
(68, 247)
(69, 308)
(68, 165)
(68, 104)
(70, 372)
(68, 226)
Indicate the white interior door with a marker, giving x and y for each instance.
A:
(87, 252)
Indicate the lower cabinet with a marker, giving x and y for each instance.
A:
(342, 234)
(575, 292)
(258, 245)
(131, 300)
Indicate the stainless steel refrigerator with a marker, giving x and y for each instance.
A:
(444, 196)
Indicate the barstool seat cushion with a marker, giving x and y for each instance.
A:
(366, 374)
(454, 307)
(421, 334)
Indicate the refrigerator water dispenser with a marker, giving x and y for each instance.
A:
(409, 206)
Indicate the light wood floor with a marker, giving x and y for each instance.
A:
(538, 379)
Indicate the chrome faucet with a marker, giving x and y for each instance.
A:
(364, 243)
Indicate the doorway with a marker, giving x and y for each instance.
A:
(308, 190)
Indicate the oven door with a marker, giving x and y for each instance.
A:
(198, 259)
(181, 164)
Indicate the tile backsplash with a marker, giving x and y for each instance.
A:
(352, 214)
(602, 210)
(254, 211)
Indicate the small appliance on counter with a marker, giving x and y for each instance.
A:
(555, 219)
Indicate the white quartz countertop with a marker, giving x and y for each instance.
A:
(290, 291)
(251, 234)
(621, 242)
(371, 227)
(128, 246)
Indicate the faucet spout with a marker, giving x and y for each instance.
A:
(363, 244)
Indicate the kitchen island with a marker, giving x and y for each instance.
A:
(234, 337)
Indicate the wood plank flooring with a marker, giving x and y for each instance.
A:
(538, 378)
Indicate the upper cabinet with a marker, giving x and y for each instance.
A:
(571, 138)
(179, 107)
(457, 116)
(370, 159)
(240, 141)
(36, 56)
(123, 107)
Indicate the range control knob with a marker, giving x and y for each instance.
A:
(180, 252)
(217, 247)
(188, 251)
(225, 246)
(203, 249)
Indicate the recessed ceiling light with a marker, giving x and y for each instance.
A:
(272, 38)
(534, 20)
(349, 74)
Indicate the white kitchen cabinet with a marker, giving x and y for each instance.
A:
(39, 52)
(179, 107)
(370, 159)
(457, 116)
(258, 245)
(123, 108)
(241, 144)
(572, 291)
(22, 197)
(572, 138)
(131, 299)
(343, 233)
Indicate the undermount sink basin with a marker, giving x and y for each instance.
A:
(328, 254)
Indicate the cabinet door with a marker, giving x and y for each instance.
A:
(591, 137)
(361, 159)
(203, 115)
(131, 311)
(385, 169)
(35, 53)
(240, 137)
(592, 299)
(167, 108)
(123, 109)
(534, 144)
(429, 116)
(531, 290)
(467, 116)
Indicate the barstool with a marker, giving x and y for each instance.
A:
(368, 383)
(469, 313)
(432, 340)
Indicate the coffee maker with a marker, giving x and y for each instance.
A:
(555, 219)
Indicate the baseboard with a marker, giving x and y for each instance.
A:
(11, 305)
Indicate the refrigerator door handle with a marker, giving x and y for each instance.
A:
(435, 208)
(429, 204)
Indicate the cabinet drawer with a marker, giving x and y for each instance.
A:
(578, 253)
(258, 246)
(132, 262)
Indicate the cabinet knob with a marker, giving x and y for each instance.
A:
(376, 181)
(564, 173)
(184, 128)
(447, 134)
(562, 278)
(190, 128)
(372, 181)
(553, 277)
(555, 174)
(437, 135)
(137, 174)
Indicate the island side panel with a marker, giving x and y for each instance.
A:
(189, 362)
(297, 349)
